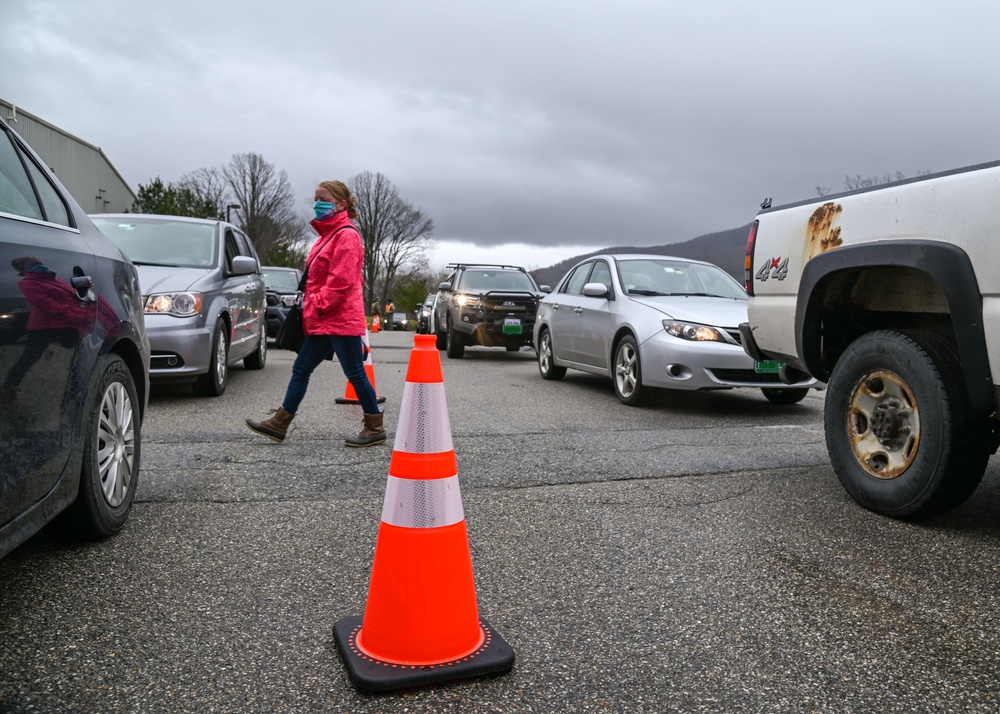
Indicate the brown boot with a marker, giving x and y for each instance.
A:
(373, 433)
(274, 427)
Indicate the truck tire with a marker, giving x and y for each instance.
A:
(779, 395)
(455, 343)
(900, 431)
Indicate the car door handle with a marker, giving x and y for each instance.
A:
(555, 306)
(248, 289)
(82, 282)
(577, 310)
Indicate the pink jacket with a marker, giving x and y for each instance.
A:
(334, 299)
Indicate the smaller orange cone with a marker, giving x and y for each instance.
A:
(350, 396)
(376, 324)
(421, 623)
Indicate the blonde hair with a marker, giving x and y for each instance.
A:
(339, 190)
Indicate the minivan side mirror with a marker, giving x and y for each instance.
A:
(244, 265)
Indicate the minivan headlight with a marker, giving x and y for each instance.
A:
(692, 331)
(178, 304)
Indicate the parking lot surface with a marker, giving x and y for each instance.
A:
(696, 555)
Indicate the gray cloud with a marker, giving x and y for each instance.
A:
(543, 123)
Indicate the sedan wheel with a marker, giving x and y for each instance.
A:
(546, 363)
(110, 460)
(628, 373)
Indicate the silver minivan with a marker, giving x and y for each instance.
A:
(203, 295)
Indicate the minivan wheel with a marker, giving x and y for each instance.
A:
(111, 453)
(213, 382)
(258, 358)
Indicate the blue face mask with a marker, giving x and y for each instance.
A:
(324, 209)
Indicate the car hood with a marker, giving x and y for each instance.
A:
(164, 279)
(720, 312)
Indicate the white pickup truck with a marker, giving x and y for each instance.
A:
(891, 295)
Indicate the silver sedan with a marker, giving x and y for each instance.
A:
(653, 321)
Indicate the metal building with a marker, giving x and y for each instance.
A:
(81, 167)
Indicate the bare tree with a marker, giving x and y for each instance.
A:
(396, 235)
(267, 203)
(208, 185)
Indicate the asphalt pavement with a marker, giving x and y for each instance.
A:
(696, 555)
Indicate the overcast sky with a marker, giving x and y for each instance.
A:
(529, 131)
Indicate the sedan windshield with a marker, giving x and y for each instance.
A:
(650, 276)
(162, 241)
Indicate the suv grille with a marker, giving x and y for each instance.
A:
(509, 303)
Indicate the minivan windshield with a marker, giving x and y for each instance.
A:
(176, 244)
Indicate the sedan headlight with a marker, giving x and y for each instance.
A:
(178, 304)
(463, 300)
(693, 332)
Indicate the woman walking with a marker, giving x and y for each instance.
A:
(333, 316)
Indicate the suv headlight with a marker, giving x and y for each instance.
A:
(693, 332)
(178, 304)
(464, 300)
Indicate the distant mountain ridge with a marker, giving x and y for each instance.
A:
(727, 249)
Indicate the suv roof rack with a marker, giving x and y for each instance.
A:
(485, 265)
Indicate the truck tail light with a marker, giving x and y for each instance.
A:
(748, 263)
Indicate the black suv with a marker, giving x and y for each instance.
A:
(488, 305)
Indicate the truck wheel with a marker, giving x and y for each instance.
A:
(547, 366)
(900, 432)
(778, 395)
(627, 373)
(455, 343)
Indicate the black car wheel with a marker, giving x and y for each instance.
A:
(778, 395)
(455, 343)
(213, 383)
(546, 362)
(628, 373)
(258, 359)
(900, 432)
(110, 459)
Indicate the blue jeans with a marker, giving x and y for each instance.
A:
(350, 351)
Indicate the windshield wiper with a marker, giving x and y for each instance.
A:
(651, 293)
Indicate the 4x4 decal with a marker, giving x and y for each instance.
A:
(777, 269)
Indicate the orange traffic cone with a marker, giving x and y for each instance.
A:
(421, 623)
(351, 396)
(376, 324)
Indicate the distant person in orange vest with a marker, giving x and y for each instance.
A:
(333, 316)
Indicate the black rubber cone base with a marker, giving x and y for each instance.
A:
(371, 675)
(342, 400)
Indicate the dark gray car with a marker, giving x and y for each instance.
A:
(203, 295)
(74, 360)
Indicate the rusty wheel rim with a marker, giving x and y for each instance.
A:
(883, 424)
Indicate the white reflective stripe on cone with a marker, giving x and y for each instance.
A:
(422, 503)
(367, 349)
(423, 426)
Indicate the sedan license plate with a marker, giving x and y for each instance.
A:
(512, 326)
(767, 367)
